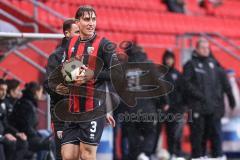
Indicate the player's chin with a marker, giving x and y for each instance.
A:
(90, 33)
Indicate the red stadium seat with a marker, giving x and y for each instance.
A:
(27, 7)
(148, 22)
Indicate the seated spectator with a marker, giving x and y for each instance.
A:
(14, 143)
(215, 3)
(209, 5)
(177, 6)
(13, 94)
(24, 117)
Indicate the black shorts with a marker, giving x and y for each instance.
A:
(85, 132)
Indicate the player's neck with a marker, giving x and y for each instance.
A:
(86, 37)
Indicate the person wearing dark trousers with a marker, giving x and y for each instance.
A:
(13, 94)
(174, 105)
(2, 154)
(25, 119)
(141, 134)
(15, 149)
(140, 128)
(70, 29)
(120, 132)
(205, 88)
(225, 89)
(13, 143)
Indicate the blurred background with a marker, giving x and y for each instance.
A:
(30, 30)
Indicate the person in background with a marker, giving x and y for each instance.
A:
(210, 5)
(3, 92)
(177, 6)
(140, 133)
(70, 29)
(232, 78)
(204, 87)
(13, 94)
(25, 117)
(13, 143)
(174, 105)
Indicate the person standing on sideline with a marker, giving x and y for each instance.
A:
(203, 78)
(175, 105)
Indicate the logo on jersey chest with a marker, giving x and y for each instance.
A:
(90, 50)
(72, 49)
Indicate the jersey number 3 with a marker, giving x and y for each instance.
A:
(94, 126)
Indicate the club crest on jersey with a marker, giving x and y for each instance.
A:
(211, 65)
(200, 65)
(90, 50)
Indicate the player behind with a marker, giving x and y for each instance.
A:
(70, 29)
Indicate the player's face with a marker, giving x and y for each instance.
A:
(87, 24)
(3, 91)
(203, 49)
(74, 31)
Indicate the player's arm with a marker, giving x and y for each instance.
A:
(111, 61)
(56, 82)
(110, 120)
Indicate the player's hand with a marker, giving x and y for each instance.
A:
(10, 137)
(84, 76)
(22, 136)
(61, 89)
(110, 120)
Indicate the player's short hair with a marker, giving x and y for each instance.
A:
(12, 84)
(67, 24)
(82, 9)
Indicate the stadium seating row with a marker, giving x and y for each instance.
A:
(125, 20)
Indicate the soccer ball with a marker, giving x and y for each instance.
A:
(71, 69)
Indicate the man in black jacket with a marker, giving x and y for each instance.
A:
(205, 88)
(13, 94)
(139, 122)
(174, 105)
(14, 143)
(24, 117)
(70, 29)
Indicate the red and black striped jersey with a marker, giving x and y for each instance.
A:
(96, 57)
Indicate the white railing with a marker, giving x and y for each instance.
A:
(31, 35)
